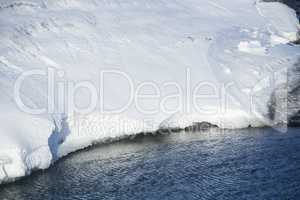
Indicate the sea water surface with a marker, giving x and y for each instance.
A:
(240, 164)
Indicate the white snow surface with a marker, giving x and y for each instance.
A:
(244, 42)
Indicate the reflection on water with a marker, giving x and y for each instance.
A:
(244, 164)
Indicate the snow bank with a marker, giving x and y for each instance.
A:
(24, 145)
(167, 64)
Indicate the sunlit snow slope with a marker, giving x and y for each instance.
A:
(234, 56)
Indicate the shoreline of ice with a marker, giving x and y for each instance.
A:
(221, 41)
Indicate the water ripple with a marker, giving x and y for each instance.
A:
(245, 164)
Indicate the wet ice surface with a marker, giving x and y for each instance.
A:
(244, 164)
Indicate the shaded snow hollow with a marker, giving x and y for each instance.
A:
(244, 43)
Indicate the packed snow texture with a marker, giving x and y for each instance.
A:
(243, 42)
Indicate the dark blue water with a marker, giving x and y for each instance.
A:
(244, 164)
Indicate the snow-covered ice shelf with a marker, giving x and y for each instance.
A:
(238, 44)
